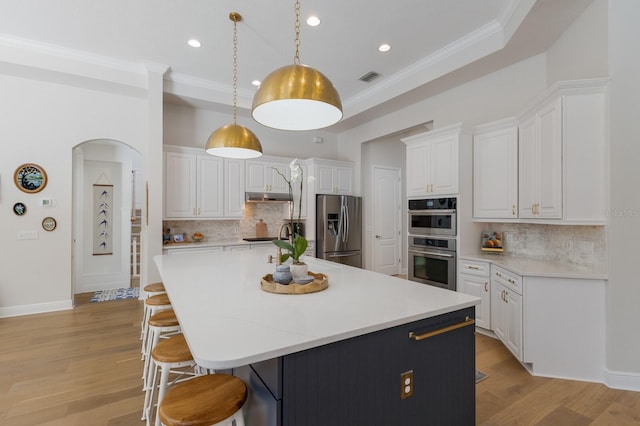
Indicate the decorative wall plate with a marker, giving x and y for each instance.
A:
(30, 178)
(19, 209)
(49, 224)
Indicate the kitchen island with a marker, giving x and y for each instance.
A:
(340, 356)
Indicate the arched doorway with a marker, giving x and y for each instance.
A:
(107, 198)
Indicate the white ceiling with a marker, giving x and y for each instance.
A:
(436, 44)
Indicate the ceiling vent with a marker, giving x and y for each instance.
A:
(371, 75)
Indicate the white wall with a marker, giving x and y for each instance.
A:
(488, 98)
(41, 123)
(187, 126)
(623, 360)
(581, 51)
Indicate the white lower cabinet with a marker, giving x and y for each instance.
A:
(506, 309)
(474, 280)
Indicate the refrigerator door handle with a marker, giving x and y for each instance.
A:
(351, 253)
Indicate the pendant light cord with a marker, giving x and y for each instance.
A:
(235, 70)
(296, 58)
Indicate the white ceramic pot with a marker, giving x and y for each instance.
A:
(299, 270)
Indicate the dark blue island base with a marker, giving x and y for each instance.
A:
(360, 382)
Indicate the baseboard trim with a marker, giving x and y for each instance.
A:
(622, 380)
(36, 308)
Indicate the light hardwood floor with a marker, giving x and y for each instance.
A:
(82, 367)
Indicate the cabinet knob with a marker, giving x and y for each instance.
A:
(378, 236)
(513, 210)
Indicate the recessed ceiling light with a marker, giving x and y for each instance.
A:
(256, 82)
(384, 47)
(194, 43)
(313, 21)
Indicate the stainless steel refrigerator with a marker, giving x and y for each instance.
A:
(339, 229)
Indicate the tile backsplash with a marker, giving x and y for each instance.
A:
(583, 246)
(273, 214)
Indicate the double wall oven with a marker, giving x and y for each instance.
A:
(432, 242)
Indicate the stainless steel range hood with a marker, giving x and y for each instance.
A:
(262, 197)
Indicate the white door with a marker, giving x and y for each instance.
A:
(386, 219)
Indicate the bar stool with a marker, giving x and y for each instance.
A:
(210, 400)
(149, 291)
(154, 289)
(152, 305)
(163, 324)
(168, 356)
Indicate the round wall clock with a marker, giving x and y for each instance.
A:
(30, 178)
(19, 209)
(49, 224)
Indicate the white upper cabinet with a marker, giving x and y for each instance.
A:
(193, 185)
(495, 170)
(432, 162)
(202, 186)
(561, 167)
(331, 177)
(541, 163)
(261, 175)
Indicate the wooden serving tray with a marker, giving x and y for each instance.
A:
(319, 283)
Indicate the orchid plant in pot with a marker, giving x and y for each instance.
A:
(297, 244)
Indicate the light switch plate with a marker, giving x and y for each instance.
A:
(27, 235)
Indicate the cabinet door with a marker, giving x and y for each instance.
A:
(528, 169)
(255, 176)
(180, 185)
(540, 162)
(324, 179)
(417, 169)
(506, 318)
(233, 188)
(343, 180)
(210, 187)
(478, 287)
(550, 161)
(444, 165)
(276, 182)
(495, 174)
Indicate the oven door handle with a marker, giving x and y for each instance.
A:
(431, 253)
(433, 212)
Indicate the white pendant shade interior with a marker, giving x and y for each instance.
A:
(297, 97)
(233, 140)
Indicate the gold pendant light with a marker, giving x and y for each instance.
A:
(297, 97)
(233, 140)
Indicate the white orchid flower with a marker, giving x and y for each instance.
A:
(310, 179)
(296, 170)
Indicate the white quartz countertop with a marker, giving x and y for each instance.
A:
(229, 321)
(537, 268)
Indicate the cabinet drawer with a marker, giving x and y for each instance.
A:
(507, 278)
(472, 267)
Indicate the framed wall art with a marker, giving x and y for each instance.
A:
(103, 219)
(30, 178)
(19, 209)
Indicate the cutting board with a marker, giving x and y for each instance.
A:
(261, 229)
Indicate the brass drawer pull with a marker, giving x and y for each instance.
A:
(467, 321)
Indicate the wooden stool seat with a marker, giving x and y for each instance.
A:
(174, 349)
(154, 288)
(203, 401)
(157, 300)
(166, 318)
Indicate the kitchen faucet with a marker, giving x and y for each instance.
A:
(288, 226)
